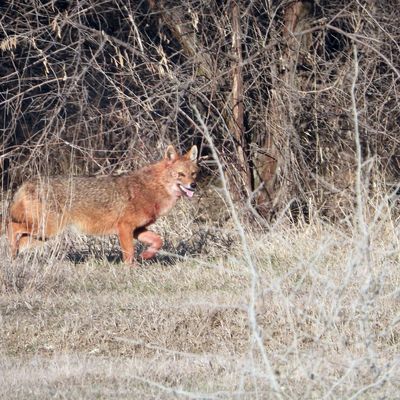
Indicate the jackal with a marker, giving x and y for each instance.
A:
(124, 205)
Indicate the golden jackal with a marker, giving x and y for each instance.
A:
(124, 205)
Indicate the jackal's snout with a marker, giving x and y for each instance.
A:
(189, 189)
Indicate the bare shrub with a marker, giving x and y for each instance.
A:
(99, 88)
(237, 306)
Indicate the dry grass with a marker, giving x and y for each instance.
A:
(327, 314)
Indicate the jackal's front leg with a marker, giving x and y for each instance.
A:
(150, 238)
(126, 242)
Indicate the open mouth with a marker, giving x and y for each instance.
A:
(188, 191)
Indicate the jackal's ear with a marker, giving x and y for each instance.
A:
(170, 153)
(192, 153)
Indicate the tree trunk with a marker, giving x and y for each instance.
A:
(273, 163)
(184, 32)
(237, 120)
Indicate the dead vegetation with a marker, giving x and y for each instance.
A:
(327, 317)
(282, 279)
(94, 88)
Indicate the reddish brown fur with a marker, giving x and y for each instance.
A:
(124, 205)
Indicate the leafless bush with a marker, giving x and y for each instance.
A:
(92, 87)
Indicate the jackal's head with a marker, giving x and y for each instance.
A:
(182, 171)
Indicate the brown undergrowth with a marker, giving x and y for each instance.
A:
(326, 311)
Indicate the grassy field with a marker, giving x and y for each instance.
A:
(306, 312)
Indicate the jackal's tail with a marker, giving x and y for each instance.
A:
(3, 223)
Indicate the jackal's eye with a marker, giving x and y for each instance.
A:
(181, 174)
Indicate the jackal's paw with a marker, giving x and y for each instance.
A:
(148, 254)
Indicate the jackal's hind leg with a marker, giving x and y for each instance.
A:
(15, 232)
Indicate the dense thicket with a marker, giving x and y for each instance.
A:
(294, 94)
